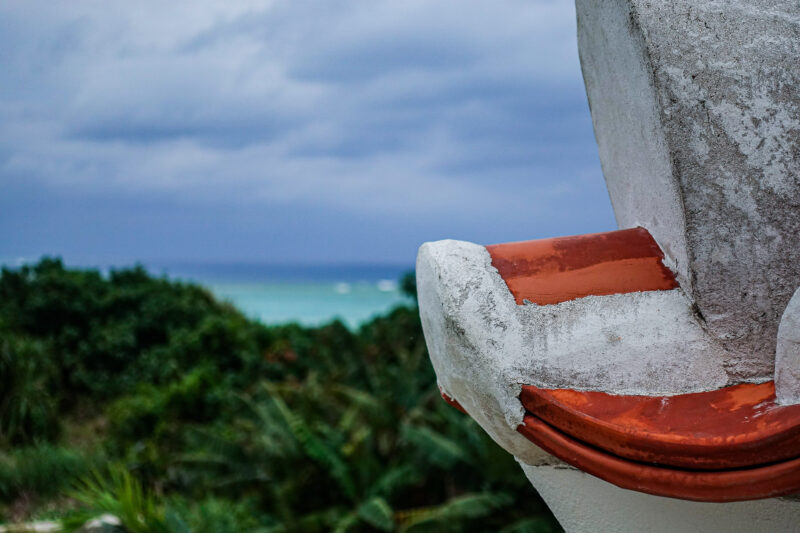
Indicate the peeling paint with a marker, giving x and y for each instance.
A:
(484, 346)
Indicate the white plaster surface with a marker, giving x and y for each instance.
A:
(584, 503)
(631, 141)
(696, 111)
(787, 354)
(484, 346)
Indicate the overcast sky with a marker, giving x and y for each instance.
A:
(290, 130)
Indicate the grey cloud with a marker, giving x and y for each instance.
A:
(378, 109)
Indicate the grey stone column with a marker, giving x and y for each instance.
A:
(696, 111)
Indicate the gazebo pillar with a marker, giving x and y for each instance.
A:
(647, 379)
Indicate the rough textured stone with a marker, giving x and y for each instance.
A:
(696, 110)
(484, 346)
(787, 354)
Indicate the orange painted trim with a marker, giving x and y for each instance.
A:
(452, 401)
(733, 427)
(551, 271)
(768, 481)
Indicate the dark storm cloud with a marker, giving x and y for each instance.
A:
(422, 119)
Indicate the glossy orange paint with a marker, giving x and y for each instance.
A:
(768, 481)
(733, 427)
(551, 271)
(636, 470)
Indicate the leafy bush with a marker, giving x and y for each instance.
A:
(28, 409)
(212, 515)
(103, 330)
(213, 422)
(194, 398)
(43, 470)
(119, 494)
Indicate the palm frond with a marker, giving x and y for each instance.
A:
(455, 510)
(316, 448)
(439, 449)
(377, 513)
(118, 493)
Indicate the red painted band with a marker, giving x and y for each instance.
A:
(717, 486)
(551, 271)
(736, 484)
(733, 427)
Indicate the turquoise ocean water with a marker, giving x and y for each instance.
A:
(308, 294)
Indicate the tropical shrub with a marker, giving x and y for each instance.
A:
(151, 401)
(28, 410)
(42, 470)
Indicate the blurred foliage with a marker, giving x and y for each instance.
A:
(199, 419)
(119, 494)
(43, 470)
(28, 412)
(408, 285)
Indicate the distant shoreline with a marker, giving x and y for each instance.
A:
(280, 293)
(220, 271)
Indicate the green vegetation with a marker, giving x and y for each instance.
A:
(149, 400)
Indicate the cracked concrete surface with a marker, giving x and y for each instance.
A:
(696, 111)
(484, 346)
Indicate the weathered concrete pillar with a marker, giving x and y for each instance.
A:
(696, 111)
(630, 372)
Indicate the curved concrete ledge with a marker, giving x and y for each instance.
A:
(612, 373)
(484, 346)
(695, 107)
